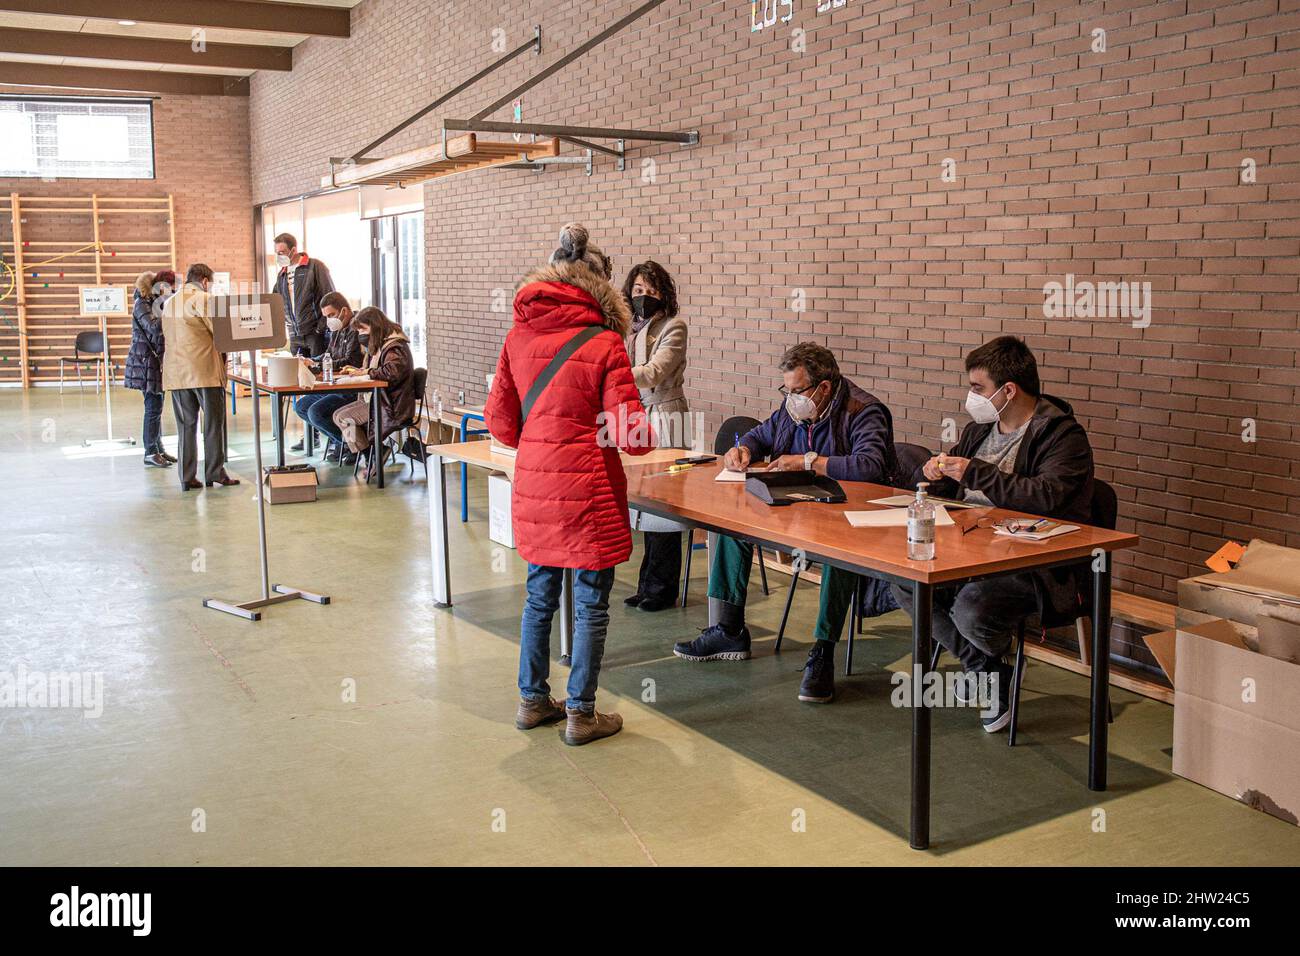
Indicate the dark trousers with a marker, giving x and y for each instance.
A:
(318, 411)
(661, 566)
(153, 405)
(187, 403)
(977, 622)
(310, 345)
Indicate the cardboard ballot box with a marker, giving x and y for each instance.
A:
(500, 526)
(1234, 661)
(291, 484)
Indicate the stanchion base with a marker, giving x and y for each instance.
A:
(566, 660)
(251, 610)
(107, 441)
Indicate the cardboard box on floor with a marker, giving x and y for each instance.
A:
(1237, 681)
(288, 487)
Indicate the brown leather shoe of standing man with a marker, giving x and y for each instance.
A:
(535, 711)
(583, 728)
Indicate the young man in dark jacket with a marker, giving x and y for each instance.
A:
(302, 283)
(827, 425)
(1024, 451)
(317, 409)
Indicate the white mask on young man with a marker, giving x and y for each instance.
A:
(333, 323)
(982, 409)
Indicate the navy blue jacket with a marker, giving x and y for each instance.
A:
(856, 437)
(144, 360)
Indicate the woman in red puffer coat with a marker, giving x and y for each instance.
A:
(569, 495)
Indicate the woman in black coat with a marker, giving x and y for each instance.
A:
(144, 361)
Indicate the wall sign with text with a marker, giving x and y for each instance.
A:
(764, 14)
(104, 300)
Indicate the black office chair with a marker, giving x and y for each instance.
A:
(910, 457)
(391, 448)
(732, 429)
(1104, 514)
(88, 344)
(412, 445)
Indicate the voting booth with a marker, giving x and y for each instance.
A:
(250, 323)
(101, 303)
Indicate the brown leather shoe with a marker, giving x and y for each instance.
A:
(583, 728)
(535, 711)
(224, 480)
(191, 484)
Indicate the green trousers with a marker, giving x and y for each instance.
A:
(729, 581)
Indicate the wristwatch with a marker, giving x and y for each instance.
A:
(808, 458)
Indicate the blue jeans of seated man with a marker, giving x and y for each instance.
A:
(590, 621)
(318, 411)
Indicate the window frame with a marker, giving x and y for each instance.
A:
(102, 101)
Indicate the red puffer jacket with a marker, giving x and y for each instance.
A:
(569, 496)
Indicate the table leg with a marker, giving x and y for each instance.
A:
(233, 386)
(566, 616)
(277, 405)
(308, 438)
(438, 532)
(922, 611)
(715, 605)
(377, 449)
(1097, 739)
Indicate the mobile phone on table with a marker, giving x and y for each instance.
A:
(696, 460)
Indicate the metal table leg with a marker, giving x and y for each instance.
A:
(376, 447)
(715, 606)
(438, 532)
(277, 405)
(308, 438)
(922, 610)
(566, 616)
(1097, 739)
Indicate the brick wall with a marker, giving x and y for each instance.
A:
(822, 170)
(201, 157)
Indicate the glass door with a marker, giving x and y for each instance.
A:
(398, 273)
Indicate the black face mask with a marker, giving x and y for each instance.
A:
(364, 339)
(645, 305)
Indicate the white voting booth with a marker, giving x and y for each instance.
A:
(248, 323)
(99, 302)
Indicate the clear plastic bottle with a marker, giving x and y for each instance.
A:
(920, 526)
(435, 406)
(327, 368)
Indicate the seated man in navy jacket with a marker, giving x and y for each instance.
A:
(827, 425)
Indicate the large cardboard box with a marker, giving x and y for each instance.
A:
(288, 487)
(1265, 583)
(1236, 723)
(500, 528)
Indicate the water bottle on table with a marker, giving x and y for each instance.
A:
(327, 368)
(920, 526)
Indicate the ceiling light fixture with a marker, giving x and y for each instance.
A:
(126, 23)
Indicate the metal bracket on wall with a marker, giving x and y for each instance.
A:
(580, 136)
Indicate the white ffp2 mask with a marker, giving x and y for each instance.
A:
(982, 409)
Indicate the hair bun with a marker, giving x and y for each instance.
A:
(573, 242)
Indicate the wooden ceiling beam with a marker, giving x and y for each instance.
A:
(305, 18)
(133, 81)
(102, 46)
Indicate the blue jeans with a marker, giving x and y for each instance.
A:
(590, 620)
(153, 404)
(318, 411)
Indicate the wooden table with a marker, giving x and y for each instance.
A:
(279, 393)
(822, 533)
(480, 455)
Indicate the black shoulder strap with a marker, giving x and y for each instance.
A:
(548, 373)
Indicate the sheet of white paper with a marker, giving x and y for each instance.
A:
(726, 475)
(902, 501)
(892, 518)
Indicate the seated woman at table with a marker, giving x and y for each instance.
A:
(387, 359)
(317, 410)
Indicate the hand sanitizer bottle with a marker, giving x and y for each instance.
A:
(920, 526)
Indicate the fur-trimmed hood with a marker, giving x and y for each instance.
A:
(537, 306)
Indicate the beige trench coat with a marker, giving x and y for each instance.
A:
(191, 359)
(658, 354)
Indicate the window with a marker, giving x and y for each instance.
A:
(76, 138)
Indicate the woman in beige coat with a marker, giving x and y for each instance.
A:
(657, 347)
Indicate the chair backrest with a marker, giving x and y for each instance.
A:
(89, 342)
(732, 427)
(910, 457)
(1105, 505)
(419, 382)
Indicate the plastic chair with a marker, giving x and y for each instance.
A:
(89, 343)
(732, 429)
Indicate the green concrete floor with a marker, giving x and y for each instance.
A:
(247, 723)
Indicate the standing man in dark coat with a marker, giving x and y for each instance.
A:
(302, 283)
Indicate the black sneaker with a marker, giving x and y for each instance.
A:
(818, 684)
(653, 604)
(632, 600)
(965, 689)
(297, 446)
(996, 714)
(715, 644)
